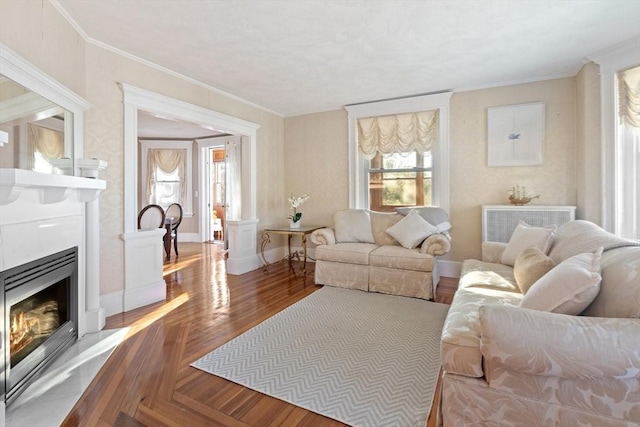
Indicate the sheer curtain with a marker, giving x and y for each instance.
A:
(398, 133)
(168, 161)
(628, 154)
(47, 143)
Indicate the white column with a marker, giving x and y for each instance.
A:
(95, 315)
(242, 246)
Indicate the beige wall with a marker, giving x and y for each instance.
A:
(317, 163)
(38, 33)
(588, 135)
(318, 143)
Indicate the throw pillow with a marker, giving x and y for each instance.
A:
(411, 230)
(530, 266)
(525, 236)
(568, 288)
(353, 226)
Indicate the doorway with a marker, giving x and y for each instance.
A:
(216, 202)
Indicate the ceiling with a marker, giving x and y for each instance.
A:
(299, 57)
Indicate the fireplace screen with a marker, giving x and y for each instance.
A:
(40, 317)
(36, 318)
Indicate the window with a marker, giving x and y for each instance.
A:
(166, 174)
(387, 173)
(399, 179)
(628, 153)
(620, 118)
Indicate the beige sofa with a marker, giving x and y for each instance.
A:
(512, 366)
(359, 253)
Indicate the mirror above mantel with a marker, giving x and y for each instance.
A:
(35, 133)
(41, 120)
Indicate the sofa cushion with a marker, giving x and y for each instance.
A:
(401, 258)
(577, 237)
(432, 214)
(380, 221)
(411, 230)
(525, 236)
(353, 226)
(350, 253)
(460, 344)
(569, 287)
(480, 274)
(619, 294)
(530, 266)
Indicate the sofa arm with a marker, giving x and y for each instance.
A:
(559, 345)
(323, 236)
(436, 244)
(492, 251)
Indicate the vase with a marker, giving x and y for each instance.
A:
(294, 224)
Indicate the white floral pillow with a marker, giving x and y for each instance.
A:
(411, 230)
(524, 236)
(569, 287)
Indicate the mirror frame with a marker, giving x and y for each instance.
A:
(16, 68)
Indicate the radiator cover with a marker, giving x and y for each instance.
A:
(499, 221)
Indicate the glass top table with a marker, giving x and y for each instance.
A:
(303, 231)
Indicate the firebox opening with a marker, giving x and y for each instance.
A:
(40, 316)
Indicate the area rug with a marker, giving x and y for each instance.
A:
(364, 359)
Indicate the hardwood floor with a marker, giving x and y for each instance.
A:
(147, 381)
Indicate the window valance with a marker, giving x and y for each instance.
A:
(398, 133)
(49, 143)
(168, 161)
(629, 96)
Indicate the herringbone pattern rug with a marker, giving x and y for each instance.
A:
(365, 359)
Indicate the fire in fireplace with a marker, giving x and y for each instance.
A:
(40, 317)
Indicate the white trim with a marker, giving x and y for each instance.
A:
(113, 303)
(182, 145)
(357, 164)
(617, 58)
(136, 98)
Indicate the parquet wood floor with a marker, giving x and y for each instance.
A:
(147, 381)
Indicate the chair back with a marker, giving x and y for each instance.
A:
(174, 211)
(150, 217)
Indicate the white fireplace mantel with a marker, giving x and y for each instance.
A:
(41, 214)
(52, 188)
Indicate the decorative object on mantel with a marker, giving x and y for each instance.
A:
(515, 135)
(518, 196)
(295, 202)
(91, 167)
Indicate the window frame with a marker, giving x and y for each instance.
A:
(146, 145)
(358, 165)
(619, 58)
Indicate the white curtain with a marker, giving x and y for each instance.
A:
(167, 160)
(233, 151)
(49, 143)
(399, 133)
(629, 96)
(627, 206)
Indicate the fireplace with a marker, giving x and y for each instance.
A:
(40, 316)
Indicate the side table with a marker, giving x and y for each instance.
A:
(303, 231)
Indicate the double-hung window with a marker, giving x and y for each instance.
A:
(399, 179)
(399, 153)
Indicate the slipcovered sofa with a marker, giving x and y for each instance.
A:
(361, 252)
(505, 364)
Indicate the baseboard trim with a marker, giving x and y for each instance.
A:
(139, 297)
(189, 237)
(449, 268)
(113, 303)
